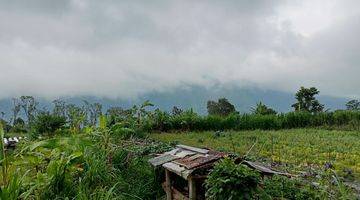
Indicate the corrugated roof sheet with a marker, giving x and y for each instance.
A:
(183, 160)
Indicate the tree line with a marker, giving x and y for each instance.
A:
(27, 116)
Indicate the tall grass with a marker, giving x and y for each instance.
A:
(190, 121)
(96, 165)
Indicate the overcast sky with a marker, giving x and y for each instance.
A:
(123, 48)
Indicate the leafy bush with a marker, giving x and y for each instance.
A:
(161, 120)
(230, 181)
(280, 187)
(121, 132)
(47, 123)
(74, 167)
(262, 109)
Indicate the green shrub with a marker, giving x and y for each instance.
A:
(237, 181)
(212, 122)
(230, 181)
(48, 124)
(280, 187)
(296, 119)
(231, 121)
(96, 171)
(120, 159)
(121, 132)
(161, 121)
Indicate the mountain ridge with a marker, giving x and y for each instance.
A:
(196, 97)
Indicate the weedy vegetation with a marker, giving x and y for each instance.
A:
(79, 152)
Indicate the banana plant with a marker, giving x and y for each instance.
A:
(140, 110)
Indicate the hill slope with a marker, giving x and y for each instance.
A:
(196, 98)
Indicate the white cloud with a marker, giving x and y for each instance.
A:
(123, 49)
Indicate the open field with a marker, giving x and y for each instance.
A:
(300, 149)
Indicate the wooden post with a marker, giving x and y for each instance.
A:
(192, 189)
(168, 185)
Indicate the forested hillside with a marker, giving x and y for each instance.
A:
(196, 97)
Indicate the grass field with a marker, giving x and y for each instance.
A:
(300, 149)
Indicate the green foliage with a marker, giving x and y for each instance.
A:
(190, 121)
(110, 161)
(94, 111)
(222, 107)
(222, 116)
(103, 122)
(121, 132)
(6, 126)
(12, 190)
(353, 105)
(160, 120)
(293, 150)
(76, 117)
(262, 109)
(47, 124)
(100, 193)
(306, 100)
(74, 167)
(59, 176)
(119, 115)
(124, 133)
(230, 181)
(236, 181)
(59, 108)
(280, 187)
(29, 106)
(18, 126)
(176, 111)
(3, 159)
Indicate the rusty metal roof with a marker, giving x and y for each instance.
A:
(197, 160)
(183, 160)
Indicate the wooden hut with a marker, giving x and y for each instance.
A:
(186, 169)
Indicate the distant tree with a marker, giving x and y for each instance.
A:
(115, 114)
(119, 112)
(353, 105)
(140, 110)
(94, 111)
(15, 110)
(115, 111)
(76, 116)
(6, 126)
(59, 108)
(19, 122)
(176, 111)
(19, 126)
(29, 106)
(262, 109)
(48, 123)
(222, 107)
(306, 100)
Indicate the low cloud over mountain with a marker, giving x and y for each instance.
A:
(125, 49)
